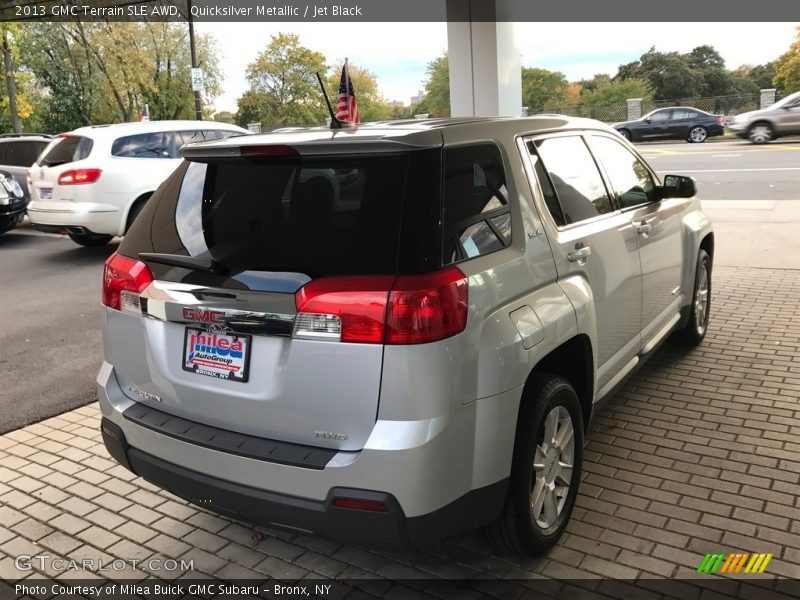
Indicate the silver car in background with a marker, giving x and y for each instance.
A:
(392, 333)
(778, 120)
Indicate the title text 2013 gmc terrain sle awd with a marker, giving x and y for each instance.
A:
(391, 333)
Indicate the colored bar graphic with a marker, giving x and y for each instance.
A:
(722, 563)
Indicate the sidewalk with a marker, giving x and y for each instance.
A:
(698, 453)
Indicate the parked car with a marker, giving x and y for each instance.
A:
(779, 120)
(18, 151)
(389, 334)
(678, 123)
(92, 182)
(12, 202)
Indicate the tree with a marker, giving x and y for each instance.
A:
(371, 105)
(787, 67)
(283, 85)
(543, 89)
(437, 89)
(617, 92)
(669, 74)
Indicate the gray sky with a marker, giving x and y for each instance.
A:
(399, 52)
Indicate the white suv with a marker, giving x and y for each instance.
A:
(92, 182)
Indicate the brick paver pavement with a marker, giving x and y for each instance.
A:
(698, 453)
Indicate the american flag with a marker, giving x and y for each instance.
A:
(346, 105)
(145, 114)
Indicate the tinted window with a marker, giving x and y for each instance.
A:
(188, 137)
(683, 113)
(574, 176)
(157, 144)
(66, 149)
(658, 116)
(550, 198)
(476, 217)
(321, 216)
(20, 153)
(629, 177)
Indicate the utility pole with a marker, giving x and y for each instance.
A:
(198, 113)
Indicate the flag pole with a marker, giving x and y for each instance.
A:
(347, 88)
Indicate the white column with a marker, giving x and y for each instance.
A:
(485, 66)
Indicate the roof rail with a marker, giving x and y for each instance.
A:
(15, 135)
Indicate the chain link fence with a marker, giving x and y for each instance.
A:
(614, 113)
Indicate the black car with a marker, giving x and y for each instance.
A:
(676, 123)
(12, 202)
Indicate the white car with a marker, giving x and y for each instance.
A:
(92, 182)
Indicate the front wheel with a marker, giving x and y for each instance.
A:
(545, 469)
(760, 133)
(700, 311)
(698, 134)
(626, 134)
(90, 240)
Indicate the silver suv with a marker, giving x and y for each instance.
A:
(778, 120)
(389, 334)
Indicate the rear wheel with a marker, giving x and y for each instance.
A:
(545, 469)
(135, 210)
(698, 134)
(90, 239)
(700, 311)
(760, 133)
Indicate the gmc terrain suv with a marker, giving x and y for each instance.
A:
(391, 333)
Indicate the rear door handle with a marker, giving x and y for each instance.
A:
(580, 254)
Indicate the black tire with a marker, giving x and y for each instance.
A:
(697, 135)
(135, 210)
(517, 528)
(626, 134)
(695, 330)
(760, 132)
(90, 240)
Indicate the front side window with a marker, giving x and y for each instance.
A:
(628, 175)
(477, 217)
(658, 116)
(574, 177)
(157, 144)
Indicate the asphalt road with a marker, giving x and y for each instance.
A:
(50, 342)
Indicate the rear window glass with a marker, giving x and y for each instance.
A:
(66, 149)
(156, 144)
(320, 216)
(21, 153)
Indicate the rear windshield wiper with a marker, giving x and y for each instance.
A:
(195, 263)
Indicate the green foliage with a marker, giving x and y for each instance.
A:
(106, 72)
(787, 68)
(669, 74)
(283, 85)
(617, 91)
(543, 90)
(437, 89)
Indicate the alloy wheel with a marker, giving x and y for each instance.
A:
(701, 299)
(760, 134)
(552, 467)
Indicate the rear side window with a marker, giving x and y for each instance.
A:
(477, 217)
(321, 216)
(156, 144)
(66, 149)
(573, 175)
(20, 153)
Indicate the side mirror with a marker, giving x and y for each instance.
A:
(677, 186)
(648, 120)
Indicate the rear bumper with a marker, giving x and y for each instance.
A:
(386, 529)
(76, 217)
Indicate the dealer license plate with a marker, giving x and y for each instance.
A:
(216, 354)
(46, 193)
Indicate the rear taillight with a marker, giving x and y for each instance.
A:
(720, 119)
(413, 309)
(426, 308)
(351, 309)
(79, 176)
(123, 274)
